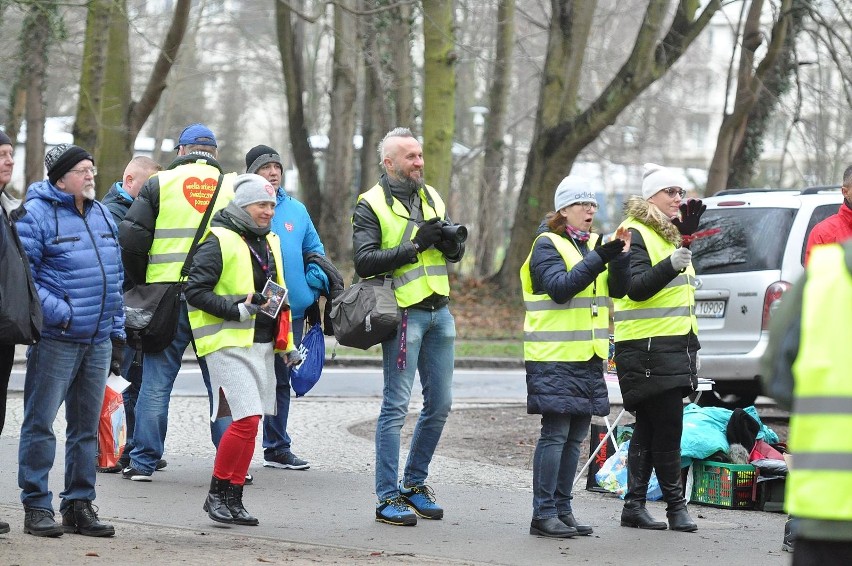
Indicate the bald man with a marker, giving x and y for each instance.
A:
(118, 201)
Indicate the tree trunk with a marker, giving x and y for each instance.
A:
(121, 118)
(85, 130)
(749, 85)
(776, 84)
(290, 47)
(374, 117)
(338, 194)
(115, 147)
(36, 39)
(401, 67)
(561, 131)
(491, 199)
(439, 85)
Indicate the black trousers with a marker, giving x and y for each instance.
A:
(7, 358)
(659, 422)
(821, 552)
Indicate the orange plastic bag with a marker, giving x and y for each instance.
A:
(112, 429)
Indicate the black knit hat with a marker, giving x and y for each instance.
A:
(260, 155)
(63, 158)
(4, 139)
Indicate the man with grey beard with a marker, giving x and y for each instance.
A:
(397, 231)
(72, 245)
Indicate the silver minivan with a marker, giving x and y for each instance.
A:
(742, 271)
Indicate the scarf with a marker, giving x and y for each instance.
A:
(577, 234)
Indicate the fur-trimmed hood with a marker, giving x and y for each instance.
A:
(642, 211)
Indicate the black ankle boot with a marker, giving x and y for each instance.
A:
(552, 527)
(234, 500)
(634, 514)
(668, 469)
(215, 504)
(80, 517)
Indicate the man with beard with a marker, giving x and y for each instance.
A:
(75, 261)
(397, 232)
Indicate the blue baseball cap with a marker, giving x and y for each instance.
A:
(196, 134)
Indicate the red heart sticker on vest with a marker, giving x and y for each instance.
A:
(198, 193)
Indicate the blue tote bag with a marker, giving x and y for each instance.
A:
(304, 376)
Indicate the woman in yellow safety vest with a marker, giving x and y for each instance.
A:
(656, 343)
(566, 283)
(239, 258)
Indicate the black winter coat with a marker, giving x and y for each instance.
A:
(573, 388)
(20, 307)
(650, 366)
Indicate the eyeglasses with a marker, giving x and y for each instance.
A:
(672, 191)
(85, 171)
(589, 206)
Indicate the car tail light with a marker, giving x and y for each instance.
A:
(772, 301)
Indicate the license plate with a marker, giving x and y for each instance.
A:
(710, 309)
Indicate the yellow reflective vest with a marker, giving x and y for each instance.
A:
(212, 333)
(569, 332)
(185, 192)
(412, 282)
(671, 312)
(819, 485)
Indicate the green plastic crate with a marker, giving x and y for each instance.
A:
(719, 484)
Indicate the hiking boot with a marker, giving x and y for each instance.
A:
(81, 517)
(395, 511)
(569, 520)
(234, 501)
(216, 502)
(551, 527)
(421, 498)
(131, 473)
(285, 461)
(40, 523)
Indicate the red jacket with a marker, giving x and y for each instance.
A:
(835, 228)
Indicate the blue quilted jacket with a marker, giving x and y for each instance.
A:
(76, 265)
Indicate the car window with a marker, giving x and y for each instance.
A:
(820, 213)
(749, 239)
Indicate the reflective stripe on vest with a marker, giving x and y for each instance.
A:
(412, 282)
(567, 332)
(671, 312)
(184, 195)
(212, 333)
(819, 484)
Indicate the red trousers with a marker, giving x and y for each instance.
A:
(235, 450)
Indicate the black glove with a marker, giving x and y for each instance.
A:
(428, 234)
(610, 250)
(258, 299)
(690, 214)
(312, 314)
(117, 356)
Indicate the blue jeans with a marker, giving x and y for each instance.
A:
(275, 438)
(555, 463)
(431, 351)
(60, 372)
(152, 406)
(133, 373)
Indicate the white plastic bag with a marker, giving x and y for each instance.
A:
(613, 475)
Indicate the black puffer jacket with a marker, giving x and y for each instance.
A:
(207, 269)
(136, 231)
(573, 388)
(649, 366)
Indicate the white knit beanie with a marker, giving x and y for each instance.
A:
(657, 178)
(571, 190)
(250, 188)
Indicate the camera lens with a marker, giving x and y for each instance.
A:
(454, 233)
